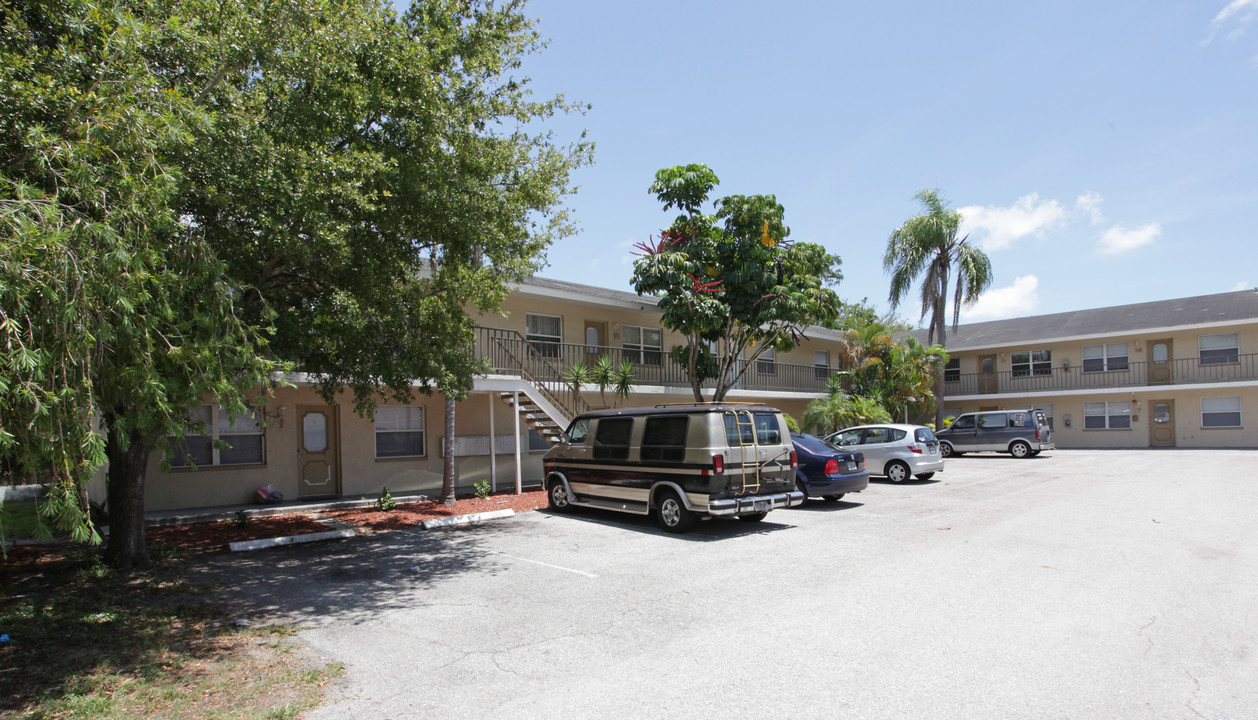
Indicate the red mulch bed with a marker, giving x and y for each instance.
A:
(215, 536)
(212, 537)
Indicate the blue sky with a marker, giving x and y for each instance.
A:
(1102, 153)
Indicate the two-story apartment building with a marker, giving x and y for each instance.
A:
(307, 448)
(1171, 373)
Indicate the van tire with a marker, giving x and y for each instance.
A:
(557, 497)
(672, 514)
(898, 471)
(1019, 449)
(752, 517)
(946, 451)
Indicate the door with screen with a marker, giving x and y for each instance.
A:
(318, 464)
(1162, 423)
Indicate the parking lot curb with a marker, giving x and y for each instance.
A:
(467, 519)
(289, 540)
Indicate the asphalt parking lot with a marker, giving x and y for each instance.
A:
(1078, 584)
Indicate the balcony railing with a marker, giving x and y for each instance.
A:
(545, 363)
(1185, 371)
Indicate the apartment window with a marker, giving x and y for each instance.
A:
(1220, 412)
(1219, 349)
(642, 345)
(766, 364)
(243, 436)
(1107, 416)
(952, 370)
(545, 333)
(1102, 358)
(400, 432)
(1032, 362)
(821, 363)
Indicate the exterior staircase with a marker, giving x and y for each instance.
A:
(535, 417)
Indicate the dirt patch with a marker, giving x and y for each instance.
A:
(412, 514)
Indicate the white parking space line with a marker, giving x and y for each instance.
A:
(543, 564)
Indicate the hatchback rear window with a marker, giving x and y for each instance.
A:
(924, 435)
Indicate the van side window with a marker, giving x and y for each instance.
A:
(768, 432)
(577, 430)
(992, 421)
(965, 422)
(611, 439)
(1021, 419)
(732, 432)
(664, 439)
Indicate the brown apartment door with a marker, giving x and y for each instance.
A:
(987, 374)
(595, 339)
(1162, 423)
(1160, 362)
(318, 443)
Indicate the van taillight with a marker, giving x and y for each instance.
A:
(718, 464)
(832, 467)
(794, 459)
(1037, 433)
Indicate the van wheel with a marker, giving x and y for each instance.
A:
(558, 497)
(1034, 453)
(834, 498)
(897, 471)
(752, 517)
(946, 451)
(1020, 449)
(672, 514)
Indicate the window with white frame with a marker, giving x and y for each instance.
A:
(1103, 358)
(400, 432)
(1107, 415)
(1031, 362)
(821, 363)
(544, 333)
(766, 364)
(1220, 412)
(1219, 349)
(642, 345)
(952, 370)
(217, 437)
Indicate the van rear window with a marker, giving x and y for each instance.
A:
(664, 439)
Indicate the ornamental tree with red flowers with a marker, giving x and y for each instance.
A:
(730, 281)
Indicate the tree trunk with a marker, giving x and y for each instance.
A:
(128, 457)
(939, 379)
(692, 368)
(447, 472)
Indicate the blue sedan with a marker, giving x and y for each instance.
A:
(825, 471)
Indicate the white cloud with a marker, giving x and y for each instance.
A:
(1119, 239)
(1240, 12)
(1017, 300)
(1090, 203)
(1242, 285)
(1028, 216)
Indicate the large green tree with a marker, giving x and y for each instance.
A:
(926, 246)
(187, 181)
(730, 280)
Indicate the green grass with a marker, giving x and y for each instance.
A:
(86, 642)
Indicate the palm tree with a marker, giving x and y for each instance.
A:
(926, 246)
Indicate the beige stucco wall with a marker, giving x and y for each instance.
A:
(361, 474)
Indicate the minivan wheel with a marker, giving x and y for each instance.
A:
(558, 497)
(946, 451)
(1020, 449)
(897, 471)
(672, 514)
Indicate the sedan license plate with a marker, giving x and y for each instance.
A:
(851, 467)
(761, 506)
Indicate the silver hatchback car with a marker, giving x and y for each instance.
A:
(896, 452)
